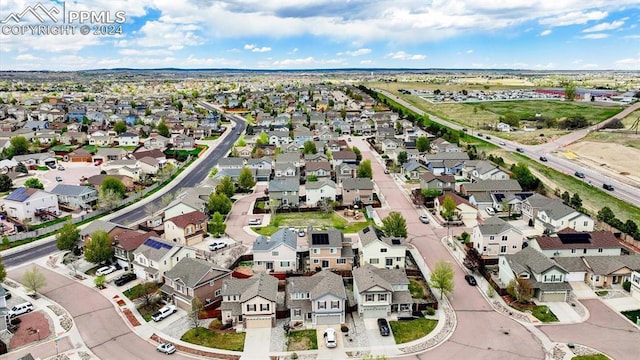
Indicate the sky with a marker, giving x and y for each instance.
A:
(321, 34)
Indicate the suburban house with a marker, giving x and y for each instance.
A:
(379, 292)
(109, 154)
(191, 199)
(479, 170)
(321, 190)
(75, 197)
(413, 169)
(488, 186)
(604, 271)
(320, 169)
(285, 192)
(276, 254)
(547, 279)
(156, 256)
(319, 299)
(284, 170)
(30, 204)
(328, 249)
(80, 155)
(357, 191)
(464, 212)
(37, 159)
(569, 242)
(496, 237)
(381, 251)
(128, 139)
(125, 242)
(250, 302)
(551, 215)
(635, 284)
(444, 183)
(445, 162)
(186, 229)
(194, 278)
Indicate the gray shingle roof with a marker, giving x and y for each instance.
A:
(367, 276)
(151, 251)
(282, 236)
(320, 183)
(330, 238)
(191, 271)
(321, 283)
(556, 209)
(530, 260)
(493, 185)
(97, 225)
(284, 185)
(72, 190)
(263, 285)
(494, 226)
(357, 183)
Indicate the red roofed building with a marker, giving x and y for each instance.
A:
(465, 212)
(571, 243)
(126, 242)
(186, 229)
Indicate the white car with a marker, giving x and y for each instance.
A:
(490, 211)
(424, 219)
(330, 338)
(164, 312)
(217, 245)
(166, 348)
(255, 222)
(105, 270)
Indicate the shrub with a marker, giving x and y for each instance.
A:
(431, 311)
(627, 285)
(344, 328)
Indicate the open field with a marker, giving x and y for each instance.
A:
(507, 84)
(556, 109)
(611, 154)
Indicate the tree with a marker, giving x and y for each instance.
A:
(357, 152)
(33, 280)
(5, 183)
(3, 271)
(219, 203)
(246, 180)
(312, 178)
(34, 183)
(520, 290)
(422, 143)
(197, 311)
(442, 278)
(148, 290)
(226, 187)
(263, 139)
(402, 157)
(473, 261)
(217, 226)
(448, 207)
(166, 172)
(120, 127)
(19, 145)
(575, 202)
(67, 237)
(108, 199)
(21, 168)
(394, 225)
(525, 178)
(569, 90)
(98, 249)
(115, 185)
(430, 194)
(566, 197)
(606, 214)
(100, 280)
(364, 169)
(309, 147)
(163, 129)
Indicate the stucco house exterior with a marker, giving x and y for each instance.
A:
(155, 256)
(75, 196)
(379, 292)
(381, 251)
(357, 190)
(321, 190)
(250, 302)
(277, 253)
(496, 237)
(186, 229)
(30, 204)
(572, 243)
(319, 299)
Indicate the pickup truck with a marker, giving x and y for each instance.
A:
(164, 312)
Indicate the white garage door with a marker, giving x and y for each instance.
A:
(328, 320)
(576, 276)
(554, 296)
(258, 322)
(374, 312)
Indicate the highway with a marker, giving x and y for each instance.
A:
(623, 191)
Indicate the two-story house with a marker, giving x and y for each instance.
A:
(75, 197)
(250, 302)
(186, 229)
(571, 243)
(128, 139)
(319, 169)
(551, 215)
(156, 256)
(381, 251)
(443, 183)
(328, 249)
(125, 242)
(319, 299)
(194, 278)
(546, 278)
(276, 254)
(285, 192)
(357, 191)
(496, 237)
(379, 292)
(320, 191)
(413, 170)
(30, 204)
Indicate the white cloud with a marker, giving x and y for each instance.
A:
(632, 36)
(573, 18)
(595, 36)
(359, 52)
(254, 48)
(401, 55)
(144, 52)
(26, 57)
(546, 32)
(366, 62)
(628, 63)
(470, 51)
(605, 26)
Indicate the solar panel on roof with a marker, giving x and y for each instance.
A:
(365, 230)
(499, 197)
(320, 239)
(575, 238)
(20, 194)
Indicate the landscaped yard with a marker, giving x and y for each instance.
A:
(416, 289)
(590, 357)
(232, 341)
(318, 220)
(544, 314)
(405, 331)
(302, 340)
(632, 315)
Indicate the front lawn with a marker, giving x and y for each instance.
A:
(543, 313)
(302, 340)
(632, 315)
(317, 219)
(590, 357)
(147, 310)
(405, 331)
(232, 341)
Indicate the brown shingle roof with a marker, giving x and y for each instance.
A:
(593, 240)
(194, 217)
(130, 239)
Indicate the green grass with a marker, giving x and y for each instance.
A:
(632, 315)
(216, 137)
(91, 148)
(590, 357)
(550, 108)
(416, 290)
(544, 314)
(602, 293)
(49, 223)
(318, 220)
(405, 331)
(246, 263)
(128, 148)
(66, 148)
(147, 311)
(225, 341)
(132, 293)
(302, 340)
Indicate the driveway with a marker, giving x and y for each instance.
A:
(582, 290)
(102, 329)
(257, 344)
(381, 345)
(330, 353)
(240, 214)
(565, 313)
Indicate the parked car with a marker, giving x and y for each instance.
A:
(383, 326)
(579, 174)
(60, 167)
(105, 270)
(7, 294)
(490, 211)
(125, 278)
(217, 245)
(386, 171)
(520, 150)
(330, 338)
(255, 222)
(166, 348)
(164, 312)
(607, 187)
(97, 162)
(58, 179)
(424, 219)
(470, 280)
(543, 158)
(20, 309)
(301, 232)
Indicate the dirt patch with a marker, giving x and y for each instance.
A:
(33, 327)
(618, 161)
(132, 318)
(300, 344)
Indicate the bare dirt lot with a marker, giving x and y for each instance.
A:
(618, 160)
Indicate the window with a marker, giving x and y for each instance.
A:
(275, 253)
(491, 237)
(333, 250)
(218, 292)
(179, 288)
(284, 264)
(503, 249)
(297, 312)
(374, 261)
(264, 307)
(315, 261)
(504, 238)
(341, 261)
(398, 259)
(316, 251)
(251, 307)
(584, 251)
(322, 304)
(335, 304)
(515, 246)
(383, 250)
(484, 248)
(585, 223)
(382, 297)
(369, 297)
(389, 262)
(573, 251)
(600, 250)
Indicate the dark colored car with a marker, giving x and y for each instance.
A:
(520, 150)
(607, 187)
(383, 325)
(470, 280)
(579, 174)
(543, 158)
(7, 295)
(124, 278)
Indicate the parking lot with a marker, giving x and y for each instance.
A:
(70, 175)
